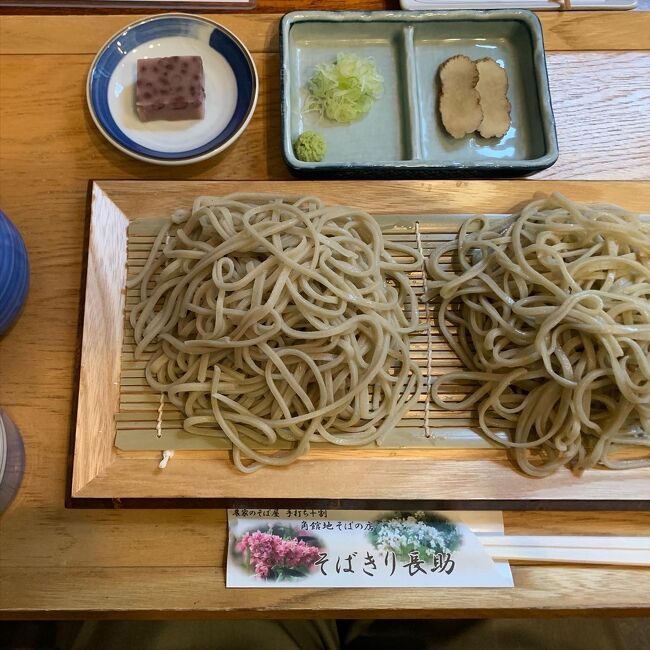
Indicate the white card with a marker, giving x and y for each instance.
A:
(362, 548)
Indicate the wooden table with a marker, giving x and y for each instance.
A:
(76, 563)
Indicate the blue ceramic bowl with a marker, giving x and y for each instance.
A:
(14, 272)
(231, 87)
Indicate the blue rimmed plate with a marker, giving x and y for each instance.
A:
(231, 88)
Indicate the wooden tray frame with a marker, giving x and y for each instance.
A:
(102, 476)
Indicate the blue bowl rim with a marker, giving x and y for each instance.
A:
(181, 160)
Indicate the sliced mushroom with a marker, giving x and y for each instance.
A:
(492, 87)
(459, 105)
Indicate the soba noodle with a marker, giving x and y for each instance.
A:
(268, 318)
(550, 314)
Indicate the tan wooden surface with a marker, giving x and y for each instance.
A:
(59, 562)
(583, 30)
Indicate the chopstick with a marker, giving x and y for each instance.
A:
(631, 551)
(568, 541)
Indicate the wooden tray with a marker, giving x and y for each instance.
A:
(103, 475)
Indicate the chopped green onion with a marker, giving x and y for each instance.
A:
(345, 90)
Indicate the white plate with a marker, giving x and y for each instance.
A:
(231, 86)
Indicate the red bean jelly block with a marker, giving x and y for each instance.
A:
(170, 88)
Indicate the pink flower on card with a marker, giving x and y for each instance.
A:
(270, 554)
(262, 570)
